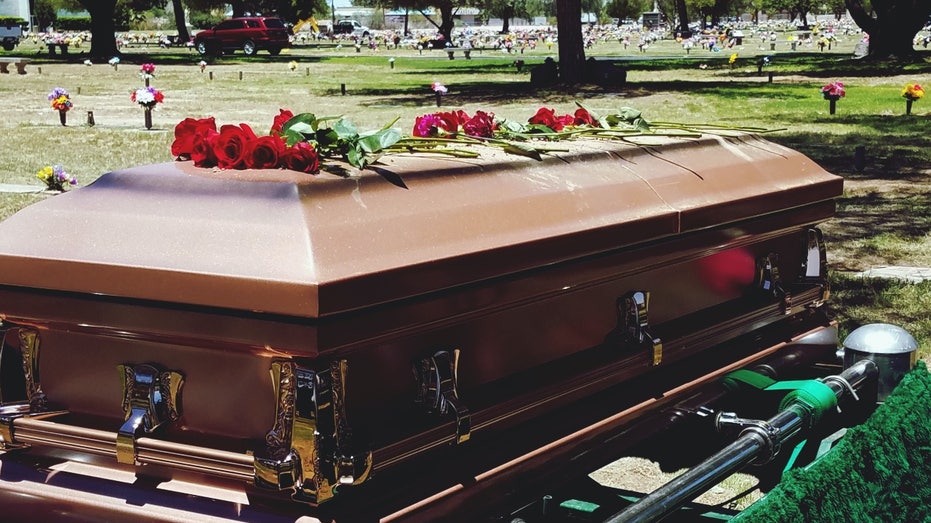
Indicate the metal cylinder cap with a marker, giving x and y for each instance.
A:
(880, 338)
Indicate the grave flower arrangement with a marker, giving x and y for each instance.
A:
(833, 92)
(61, 102)
(912, 93)
(147, 97)
(56, 178)
(60, 99)
(147, 71)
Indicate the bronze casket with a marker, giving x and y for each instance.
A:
(303, 333)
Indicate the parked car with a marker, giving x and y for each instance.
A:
(10, 35)
(250, 34)
(352, 27)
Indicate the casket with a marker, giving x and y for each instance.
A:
(304, 333)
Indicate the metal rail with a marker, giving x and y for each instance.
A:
(754, 442)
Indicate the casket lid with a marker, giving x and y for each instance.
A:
(284, 242)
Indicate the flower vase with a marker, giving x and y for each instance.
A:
(908, 105)
(63, 117)
(148, 117)
(833, 102)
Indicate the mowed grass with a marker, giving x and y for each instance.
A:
(883, 217)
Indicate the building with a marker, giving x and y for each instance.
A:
(16, 8)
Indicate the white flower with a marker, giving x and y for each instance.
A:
(145, 97)
(115, 60)
(88, 62)
(439, 88)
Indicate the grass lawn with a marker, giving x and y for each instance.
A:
(883, 217)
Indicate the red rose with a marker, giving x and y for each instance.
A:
(231, 144)
(202, 147)
(263, 152)
(301, 157)
(583, 117)
(450, 121)
(564, 120)
(185, 132)
(546, 117)
(482, 125)
(283, 116)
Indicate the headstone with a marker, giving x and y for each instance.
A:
(545, 74)
(862, 49)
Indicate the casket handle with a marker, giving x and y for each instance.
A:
(438, 390)
(634, 323)
(151, 398)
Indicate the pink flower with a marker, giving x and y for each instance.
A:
(439, 88)
(427, 126)
(833, 90)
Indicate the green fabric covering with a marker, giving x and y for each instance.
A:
(879, 472)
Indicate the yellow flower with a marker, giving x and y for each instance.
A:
(45, 174)
(733, 59)
(913, 92)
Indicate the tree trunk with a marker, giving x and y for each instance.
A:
(894, 28)
(103, 27)
(506, 16)
(683, 14)
(571, 48)
(446, 25)
(239, 8)
(183, 34)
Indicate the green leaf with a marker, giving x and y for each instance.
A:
(512, 126)
(355, 158)
(523, 150)
(346, 130)
(375, 142)
(304, 123)
(291, 137)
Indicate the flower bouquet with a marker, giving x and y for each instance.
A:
(147, 97)
(833, 92)
(302, 142)
(147, 72)
(911, 93)
(61, 102)
(55, 178)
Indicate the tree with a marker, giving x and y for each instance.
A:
(622, 9)
(508, 9)
(103, 27)
(891, 25)
(183, 34)
(571, 48)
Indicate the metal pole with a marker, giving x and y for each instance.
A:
(752, 443)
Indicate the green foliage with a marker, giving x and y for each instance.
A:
(9, 21)
(204, 20)
(74, 23)
(341, 139)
